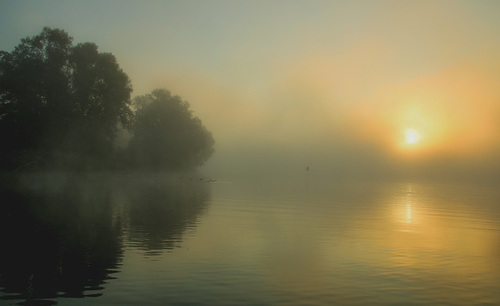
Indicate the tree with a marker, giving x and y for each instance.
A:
(102, 98)
(33, 83)
(166, 135)
(60, 105)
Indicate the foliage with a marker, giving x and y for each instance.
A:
(166, 135)
(59, 102)
(61, 106)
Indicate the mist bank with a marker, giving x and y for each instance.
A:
(336, 162)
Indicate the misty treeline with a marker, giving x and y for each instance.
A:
(63, 106)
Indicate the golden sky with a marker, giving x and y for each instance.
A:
(345, 86)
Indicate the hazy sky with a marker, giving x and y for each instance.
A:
(346, 87)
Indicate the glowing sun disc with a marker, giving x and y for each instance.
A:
(412, 136)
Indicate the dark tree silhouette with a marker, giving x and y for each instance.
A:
(102, 94)
(60, 105)
(166, 135)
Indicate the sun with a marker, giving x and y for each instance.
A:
(412, 136)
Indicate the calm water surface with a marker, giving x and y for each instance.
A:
(150, 239)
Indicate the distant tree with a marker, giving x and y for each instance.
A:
(166, 135)
(60, 105)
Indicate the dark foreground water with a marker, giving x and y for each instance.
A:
(151, 239)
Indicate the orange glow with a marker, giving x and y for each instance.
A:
(450, 113)
(425, 128)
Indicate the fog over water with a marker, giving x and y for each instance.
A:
(332, 85)
(356, 154)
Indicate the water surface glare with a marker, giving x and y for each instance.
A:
(161, 240)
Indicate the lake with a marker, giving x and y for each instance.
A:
(156, 239)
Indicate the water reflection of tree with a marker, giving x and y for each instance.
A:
(63, 237)
(160, 212)
(62, 242)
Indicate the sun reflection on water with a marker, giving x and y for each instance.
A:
(405, 213)
(408, 213)
(409, 216)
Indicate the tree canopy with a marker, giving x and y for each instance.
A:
(60, 103)
(61, 106)
(167, 135)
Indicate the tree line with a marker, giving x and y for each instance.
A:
(62, 106)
